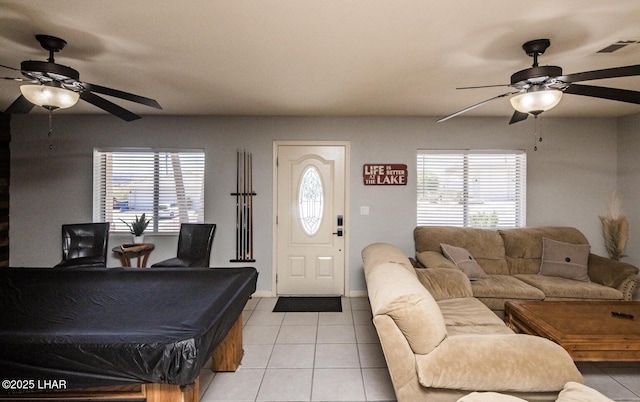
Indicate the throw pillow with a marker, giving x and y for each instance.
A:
(565, 260)
(464, 261)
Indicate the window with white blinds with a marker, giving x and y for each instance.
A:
(166, 185)
(483, 189)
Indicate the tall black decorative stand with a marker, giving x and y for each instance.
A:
(244, 207)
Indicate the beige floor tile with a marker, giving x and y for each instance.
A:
(297, 334)
(339, 355)
(337, 385)
(292, 356)
(366, 334)
(371, 355)
(300, 319)
(259, 317)
(336, 334)
(266, 303)
(260, 334)
(360, 303)
(256, 356)
(286, 385)
(344, 318)
(377, 385)
(241, 385)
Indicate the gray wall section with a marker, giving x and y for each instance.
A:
(629, 181)
(569, 178)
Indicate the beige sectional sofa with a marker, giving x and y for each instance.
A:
(512, 260)
(441, 343)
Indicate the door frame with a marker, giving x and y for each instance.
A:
(347, 197)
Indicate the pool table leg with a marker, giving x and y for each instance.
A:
(172, 393)
(228, 355)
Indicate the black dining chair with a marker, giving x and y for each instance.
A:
(194, 246)
(84, 245)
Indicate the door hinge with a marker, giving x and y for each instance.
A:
(276, 278)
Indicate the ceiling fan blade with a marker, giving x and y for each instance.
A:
(518, 116)
(486, 86)
(615, 72)
(10, 68)
(20, 105)
(108, 106)
(459, 112)
(622, 95)
(20, 80)
(121, 94)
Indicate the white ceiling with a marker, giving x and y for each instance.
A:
(322, 57)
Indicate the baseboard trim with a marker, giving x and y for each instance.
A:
(268, 293)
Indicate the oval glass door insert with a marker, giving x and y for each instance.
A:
(310, 200)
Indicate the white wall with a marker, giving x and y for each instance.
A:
(629, 184)
(570, 177)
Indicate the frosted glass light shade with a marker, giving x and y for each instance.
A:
(536, 101)
(49, 97)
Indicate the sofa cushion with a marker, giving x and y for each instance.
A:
(565, 260)
(497, 363)
(396, 292)
(463, 260)
(485, 245)
(563, 288)
(469, 312)
(444, 283)
(505, 286)
(523, 246)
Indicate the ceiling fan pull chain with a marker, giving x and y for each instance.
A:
(540, 130)
(50, 134)
(535, 133)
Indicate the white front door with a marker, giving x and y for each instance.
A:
(310, 219)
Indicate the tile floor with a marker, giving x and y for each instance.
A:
(337, 357)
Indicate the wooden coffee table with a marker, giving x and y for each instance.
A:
(586, 329)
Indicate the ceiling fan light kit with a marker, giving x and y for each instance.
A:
(50, 97)
(536, 100)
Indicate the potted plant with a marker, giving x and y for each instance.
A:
(615, 228)
(137, 227)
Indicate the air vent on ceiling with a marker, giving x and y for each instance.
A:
(618, 45)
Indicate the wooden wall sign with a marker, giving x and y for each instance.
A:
(378, 174)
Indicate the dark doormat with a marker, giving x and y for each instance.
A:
(306, 304)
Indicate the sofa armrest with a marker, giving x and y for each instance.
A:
(445, 283)
(481, 363)
(399, 357)
(612, 273)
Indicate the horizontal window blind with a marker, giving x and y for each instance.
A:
(471, 188)
(166, 185)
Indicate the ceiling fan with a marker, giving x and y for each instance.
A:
(540, 88)
(55, 86)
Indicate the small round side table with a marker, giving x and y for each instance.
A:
(133, 250)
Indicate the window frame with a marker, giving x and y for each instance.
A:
(154, 191)
(486, 173)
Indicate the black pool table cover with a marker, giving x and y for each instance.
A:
(108, 326)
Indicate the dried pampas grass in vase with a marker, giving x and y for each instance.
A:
(615, 228)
